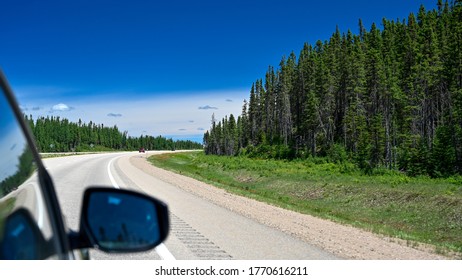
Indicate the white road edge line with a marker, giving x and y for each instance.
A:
(161, 249)
(114, 183)
(164, 253)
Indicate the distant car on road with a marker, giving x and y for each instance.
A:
(142, 150)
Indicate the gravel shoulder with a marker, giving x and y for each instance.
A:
(342, 240)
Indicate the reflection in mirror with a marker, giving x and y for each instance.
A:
(16, 160)
(122, 222)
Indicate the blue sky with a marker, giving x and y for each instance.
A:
(162, 67)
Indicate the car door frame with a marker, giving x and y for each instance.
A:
(60, 232)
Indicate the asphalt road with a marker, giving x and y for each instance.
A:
(199, 229)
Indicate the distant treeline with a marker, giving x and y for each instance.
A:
(54, 134)
(389, 97)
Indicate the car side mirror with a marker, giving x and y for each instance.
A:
(22, 238)
(116, 220)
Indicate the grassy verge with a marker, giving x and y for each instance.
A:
(80, 152)
(55, 155)
(415, 209)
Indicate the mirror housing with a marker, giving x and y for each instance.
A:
(22, 238)
(116, 220)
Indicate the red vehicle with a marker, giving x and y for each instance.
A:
(142, 150)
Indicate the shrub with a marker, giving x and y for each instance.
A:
(337, 154)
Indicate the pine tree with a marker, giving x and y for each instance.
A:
(390, 98)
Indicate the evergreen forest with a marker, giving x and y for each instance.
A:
(387, 97)
(54, 134)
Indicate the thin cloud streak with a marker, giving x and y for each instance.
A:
(207, 107)
(114, 115)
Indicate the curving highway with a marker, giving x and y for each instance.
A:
(200, 229)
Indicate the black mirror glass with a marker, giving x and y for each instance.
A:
(120, 221)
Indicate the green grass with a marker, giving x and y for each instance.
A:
(416, 209)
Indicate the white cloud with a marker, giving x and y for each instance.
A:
(61, 107)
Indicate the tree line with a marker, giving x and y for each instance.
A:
(55, 134)
(386, 97)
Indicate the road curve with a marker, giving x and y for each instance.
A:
(200, 229)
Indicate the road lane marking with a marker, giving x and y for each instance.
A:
(164, 253)
(114, 183)
(161, 249)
